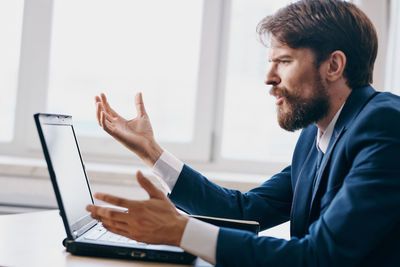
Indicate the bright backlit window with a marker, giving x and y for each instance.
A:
(199, 64)
(11, 12)
(251, 131)
(121, 47)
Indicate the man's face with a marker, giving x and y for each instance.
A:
(302, 97)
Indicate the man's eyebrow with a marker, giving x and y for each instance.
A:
(281, 57)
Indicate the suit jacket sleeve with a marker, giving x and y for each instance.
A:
(269, 204)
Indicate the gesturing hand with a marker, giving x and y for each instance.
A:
(153, 221)
(136, 134)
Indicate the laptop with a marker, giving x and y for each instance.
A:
(85, 235)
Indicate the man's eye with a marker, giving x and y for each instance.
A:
(285, 61)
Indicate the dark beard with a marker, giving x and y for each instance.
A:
(302, 111)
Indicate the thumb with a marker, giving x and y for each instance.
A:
(150, 188)
(141, 111)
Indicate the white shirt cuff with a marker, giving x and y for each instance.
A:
(168, 168)
(200, 238)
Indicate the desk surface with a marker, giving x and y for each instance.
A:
(34, 239)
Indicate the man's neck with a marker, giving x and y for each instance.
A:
(337, 99)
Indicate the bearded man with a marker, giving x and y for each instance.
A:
(342, 189)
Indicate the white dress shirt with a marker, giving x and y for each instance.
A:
(323, 138)
(200, 238)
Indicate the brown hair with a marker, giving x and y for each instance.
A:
(325, 26)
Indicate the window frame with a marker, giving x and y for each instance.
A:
(205, 150)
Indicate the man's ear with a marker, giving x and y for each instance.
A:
(336, 65)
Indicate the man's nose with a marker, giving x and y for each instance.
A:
(272, 78)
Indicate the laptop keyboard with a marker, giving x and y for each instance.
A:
(100, 233)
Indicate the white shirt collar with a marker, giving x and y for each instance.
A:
(323, 138)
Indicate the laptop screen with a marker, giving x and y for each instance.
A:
(68, 169)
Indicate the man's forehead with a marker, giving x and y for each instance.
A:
(275, 43)
(278, 49)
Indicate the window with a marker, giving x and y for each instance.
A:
(250, 128)
(10, 32)
(198, 63)
(123, 47)
(392, 79)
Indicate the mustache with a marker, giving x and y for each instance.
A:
(279, 92)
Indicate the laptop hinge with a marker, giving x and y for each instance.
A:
(84, 229)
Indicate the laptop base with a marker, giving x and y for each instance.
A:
(97, 250)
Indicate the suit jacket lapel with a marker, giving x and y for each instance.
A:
(335, 137)
(353, 106)
(302, 194)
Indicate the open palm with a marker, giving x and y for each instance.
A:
(136, 134)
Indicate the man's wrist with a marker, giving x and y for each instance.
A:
(180, 229)
(154, 153)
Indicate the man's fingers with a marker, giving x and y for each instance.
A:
(109, 214)
(107, 117)
(106, 122)
(150, 188)
(114, 200)
(117, 201)
(115, 223)
(116, 230)
(140, 109)
(99, 109)
(106, 105)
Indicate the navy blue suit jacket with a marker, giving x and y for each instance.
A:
(350, 217)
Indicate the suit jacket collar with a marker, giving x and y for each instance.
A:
(354, 104)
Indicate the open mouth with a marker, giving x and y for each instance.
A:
(279, 100)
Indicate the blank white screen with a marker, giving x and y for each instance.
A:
(67, 165)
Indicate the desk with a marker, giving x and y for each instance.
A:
(34, 239)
